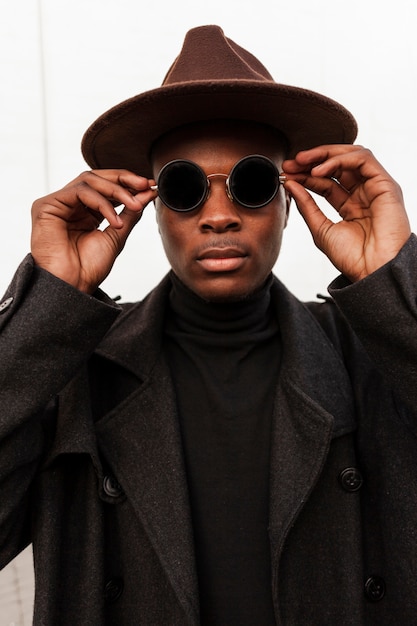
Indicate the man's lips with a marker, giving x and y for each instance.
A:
(221, 259)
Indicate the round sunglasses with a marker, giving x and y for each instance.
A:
(253, 182)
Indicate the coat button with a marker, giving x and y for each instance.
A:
(5, 304)
(113, 590)
(351, 479)
(375, 588)
(111, 487)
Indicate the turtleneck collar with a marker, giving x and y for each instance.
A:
(196, 315)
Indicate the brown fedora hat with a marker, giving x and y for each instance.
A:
(212, 78)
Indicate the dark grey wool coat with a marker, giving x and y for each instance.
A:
(97, 481)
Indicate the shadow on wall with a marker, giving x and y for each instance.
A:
(16, 591)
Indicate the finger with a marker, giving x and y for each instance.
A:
(292, 166)
(310, 162)
(350, 170)
(319, 154)
(352, 163)
(329, 188)
(305, 160)
(127, 221)
(301, 172)
(101, 193)
(314, 217)
(117, 185)
(126, 179)
(128, 217)
(88, 200)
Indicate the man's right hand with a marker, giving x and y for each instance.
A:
(65, 237)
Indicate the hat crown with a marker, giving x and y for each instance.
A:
(208, 55)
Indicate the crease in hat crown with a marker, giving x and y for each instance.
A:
(226, 60)
(212, 78)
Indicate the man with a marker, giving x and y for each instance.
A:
(219, 453)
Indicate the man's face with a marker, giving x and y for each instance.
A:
(221, 251)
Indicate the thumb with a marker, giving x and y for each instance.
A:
(127, 220)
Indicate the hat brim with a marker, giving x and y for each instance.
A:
(123, 136)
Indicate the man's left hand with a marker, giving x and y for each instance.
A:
(374, 224)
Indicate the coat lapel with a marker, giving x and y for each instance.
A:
(140, 438)
(313, 404)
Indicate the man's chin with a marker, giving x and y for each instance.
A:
(225, 290)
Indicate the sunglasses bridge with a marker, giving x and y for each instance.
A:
(227, 177)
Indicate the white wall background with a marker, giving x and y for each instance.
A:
(64, 62)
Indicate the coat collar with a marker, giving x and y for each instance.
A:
(134, 342)
(311, 363)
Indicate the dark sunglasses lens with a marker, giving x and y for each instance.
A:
(254, 182)
(182, 186)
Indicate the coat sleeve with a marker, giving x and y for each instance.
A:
(47, 332)
(382, 310)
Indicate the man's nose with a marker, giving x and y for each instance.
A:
(218, 212)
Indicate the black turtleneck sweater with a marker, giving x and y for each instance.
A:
(224, 359)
